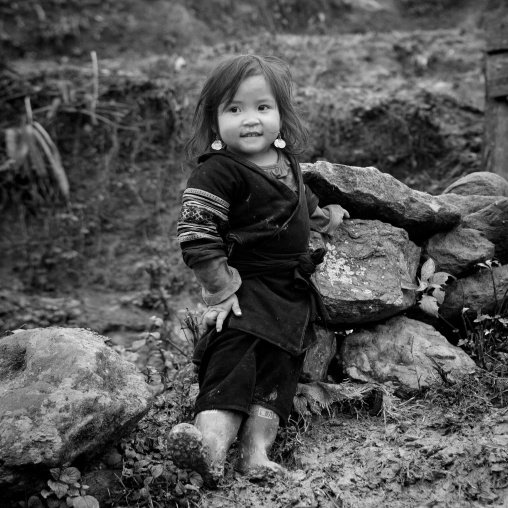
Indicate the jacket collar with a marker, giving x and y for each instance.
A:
(242, 160)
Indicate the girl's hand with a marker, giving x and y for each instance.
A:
(216, 314)
(342, 213)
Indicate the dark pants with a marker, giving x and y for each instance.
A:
(237, 369)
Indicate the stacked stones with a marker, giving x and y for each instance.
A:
(368, 277)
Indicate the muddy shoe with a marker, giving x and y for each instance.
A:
(261, 472)
(256, 439)
(188, 451)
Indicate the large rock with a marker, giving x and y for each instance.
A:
(458, 250)
(493, 221)
(64, 395)
(319, 355)
(476, 292)
(366, 269)
(404, 353)
(367, 193)
(481, 183)
(467, 204)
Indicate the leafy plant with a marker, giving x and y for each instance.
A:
(65, 491)
(32, 147)
(487, 336)
(431, 284)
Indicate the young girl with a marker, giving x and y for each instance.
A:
(244, 230)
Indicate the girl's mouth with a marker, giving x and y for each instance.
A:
(250, 134)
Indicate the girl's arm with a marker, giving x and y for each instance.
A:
(219, 282)
(201, 226)
(324, 220)
(217, 279)
(327, 219)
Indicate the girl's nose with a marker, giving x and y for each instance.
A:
(251, 120)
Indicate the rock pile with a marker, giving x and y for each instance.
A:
(370, 271)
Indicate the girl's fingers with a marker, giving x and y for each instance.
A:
(220, 319)
(236, 309)
(210, 317)
(217, 316)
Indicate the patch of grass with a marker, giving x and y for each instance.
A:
(289, 441)
(467, 400)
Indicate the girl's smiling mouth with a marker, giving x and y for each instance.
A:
(250, 134)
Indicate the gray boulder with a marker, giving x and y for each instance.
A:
(493, 221)
(367, 268)
(467, 204)
(481, 183)
(403, 353)
(319, 355)
(458, 250)
(367, 193)
(64, 395)
(476, 292)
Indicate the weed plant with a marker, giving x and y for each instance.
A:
(486, 335)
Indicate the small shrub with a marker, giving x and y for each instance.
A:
(486, 337)
(30, 148)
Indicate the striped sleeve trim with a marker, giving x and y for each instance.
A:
(200, 214)
(189, 237)
(207, 201)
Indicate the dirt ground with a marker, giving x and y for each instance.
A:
(397, 84)
(363, 461)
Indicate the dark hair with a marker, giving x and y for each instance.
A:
(221, 87)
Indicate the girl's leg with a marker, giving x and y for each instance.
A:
(277, 373)
(256, 439)
(203, 446)
(226, 384)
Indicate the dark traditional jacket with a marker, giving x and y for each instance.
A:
(233, 208)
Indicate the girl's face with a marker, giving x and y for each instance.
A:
(251, 123)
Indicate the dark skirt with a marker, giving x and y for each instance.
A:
(237, 369)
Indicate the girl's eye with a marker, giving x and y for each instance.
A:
(263, 107)
(234, 109)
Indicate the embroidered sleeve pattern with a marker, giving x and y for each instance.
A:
(202, 216)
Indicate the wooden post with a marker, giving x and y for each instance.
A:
(495, 147)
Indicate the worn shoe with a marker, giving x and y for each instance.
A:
(256, 439)
(188, 451)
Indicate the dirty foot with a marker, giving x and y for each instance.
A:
(188, 451)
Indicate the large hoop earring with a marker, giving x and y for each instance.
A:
(217, 144)
(279, 142)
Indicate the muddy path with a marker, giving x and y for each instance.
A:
(361, 461)
(445, 449)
